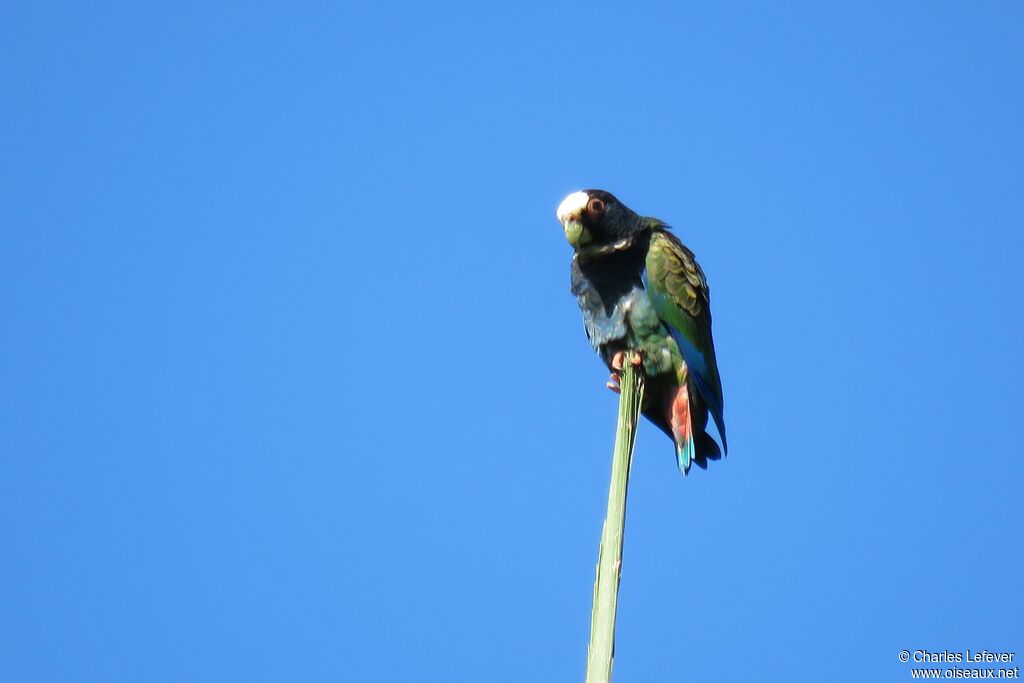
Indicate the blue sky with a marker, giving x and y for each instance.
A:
(293, 387)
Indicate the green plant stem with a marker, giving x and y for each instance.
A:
(609, 561)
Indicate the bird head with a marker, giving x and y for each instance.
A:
(595, 220)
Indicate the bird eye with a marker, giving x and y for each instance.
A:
(595, 207)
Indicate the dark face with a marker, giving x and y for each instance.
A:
(594, 218)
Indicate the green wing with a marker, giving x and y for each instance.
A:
(679, 293)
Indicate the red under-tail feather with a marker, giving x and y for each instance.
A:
(679, 417)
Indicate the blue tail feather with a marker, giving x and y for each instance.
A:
(684, 456)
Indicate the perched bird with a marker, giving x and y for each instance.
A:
(640, 289)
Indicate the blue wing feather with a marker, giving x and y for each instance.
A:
(696, 360)
(697, 363)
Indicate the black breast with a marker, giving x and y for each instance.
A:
(606, 279)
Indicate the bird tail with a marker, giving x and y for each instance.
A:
(682, 429)
(688, 418)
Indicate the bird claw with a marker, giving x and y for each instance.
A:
(619, 360)
(616, 380)
(618, 363)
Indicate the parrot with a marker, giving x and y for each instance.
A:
(640, 289)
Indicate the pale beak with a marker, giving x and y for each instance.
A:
(575, 232)
(569, 213)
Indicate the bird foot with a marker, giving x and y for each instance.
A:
(618, 362)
